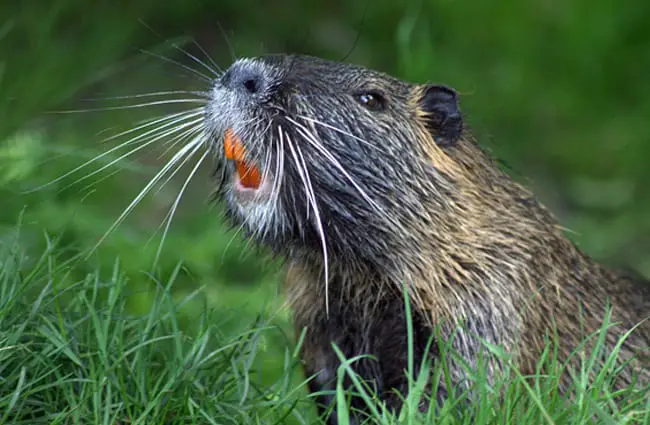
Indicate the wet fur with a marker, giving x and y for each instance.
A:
(480, 256)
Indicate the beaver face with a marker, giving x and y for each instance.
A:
(324, 155)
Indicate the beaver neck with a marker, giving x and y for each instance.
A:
(498, 247)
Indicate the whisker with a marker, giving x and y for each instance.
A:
(136, 106)
(184, 51)
(331, 127)
(141, 95)
(188, 68)
(225, 37)
(304, 175)
(141, 146)
(173, 120)
(189, 134)
(178, 198)
(90, 185)
(153, 121)
(197, 60)
(248, 243)
(141, 125)
(279, 173)
(174, 141)
(180, 154)
(232, 239)
(266, 164)
(162, 185)
(212, 62)
(318, 146)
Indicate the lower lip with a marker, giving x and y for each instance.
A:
(249, 194)
(239, 186)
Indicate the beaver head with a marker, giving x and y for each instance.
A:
(351, 161)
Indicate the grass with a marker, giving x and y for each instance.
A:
(513, 398)
(71, 353)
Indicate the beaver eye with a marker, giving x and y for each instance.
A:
(371, 100)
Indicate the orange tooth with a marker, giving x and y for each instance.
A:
(249, 175)
(233, 147)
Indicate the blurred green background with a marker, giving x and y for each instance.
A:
(559, 90)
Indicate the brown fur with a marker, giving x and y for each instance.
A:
(552, 279)
(481, 258)
(546, 284)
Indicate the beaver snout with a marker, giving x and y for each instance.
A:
(248, 77)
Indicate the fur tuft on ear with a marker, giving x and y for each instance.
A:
(440, 110)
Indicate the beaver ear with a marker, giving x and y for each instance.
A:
(443, 119)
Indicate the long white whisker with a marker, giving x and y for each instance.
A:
(108, 152)
(120, 146)
(247, 248)
(90, 185)
(197, 138)
(151, 94)
(212, 62)
(279, 172)
(173, 119)
(197, 60)
(182, 152)
(304, 175)
(136, 149)
(138, 105)
(174, 141)
(232, 239)
(188, 68)
(266, 165)
(150, 122)
(227, 40)
(318, 146)
(167, 179)
(331, 127)
(180, 194)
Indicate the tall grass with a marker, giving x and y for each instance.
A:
(71, 353)
(513, 398)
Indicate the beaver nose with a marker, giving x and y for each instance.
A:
(245, 76)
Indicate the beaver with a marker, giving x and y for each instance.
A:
(370, 187)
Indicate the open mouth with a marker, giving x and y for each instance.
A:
(248, 174)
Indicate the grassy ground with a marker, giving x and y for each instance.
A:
(71, 353)
(558, 92)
